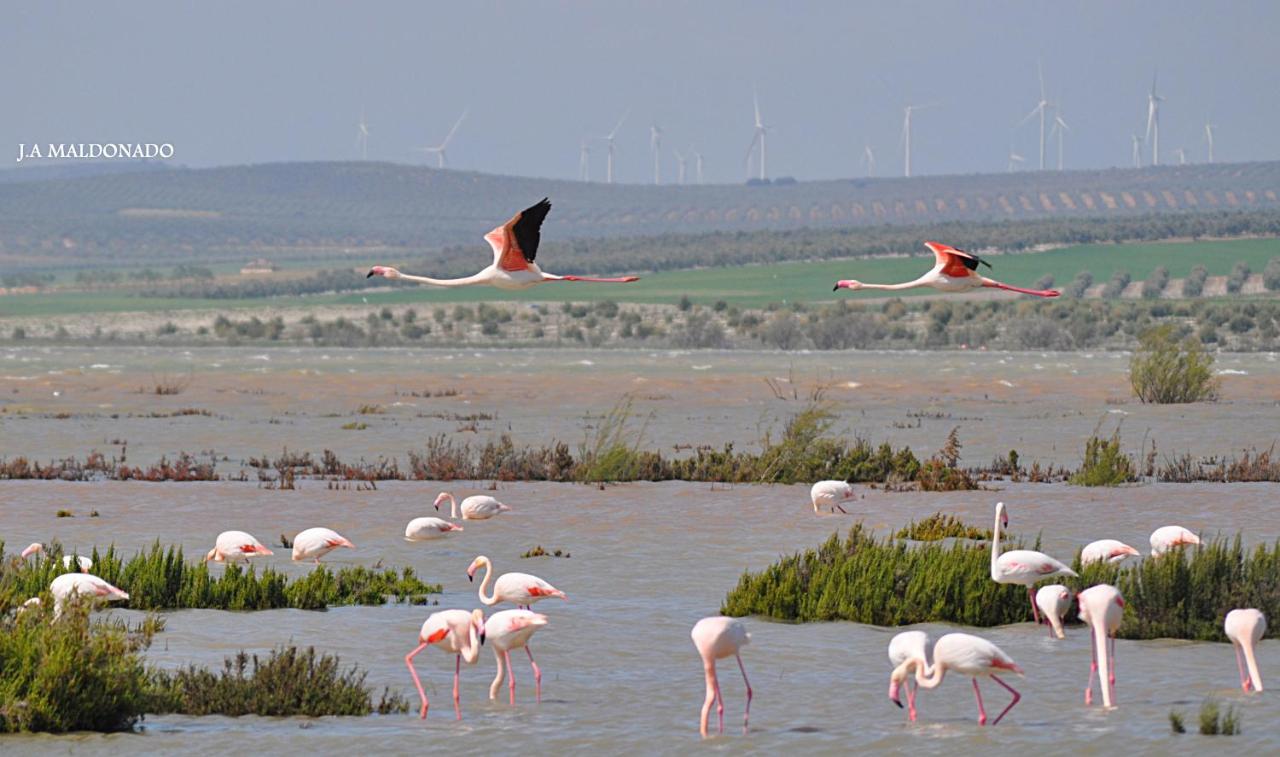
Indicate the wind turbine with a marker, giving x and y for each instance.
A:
(1208, 135)
(906, 134)
(1061, 128)
(1015, 160)
(1181, 152)
(439, 150)
(1137, 150)
(1153, 122)
(655, 147)
(610, 141)
(584, 161)
(869, 161)
(757, 138)
(681, 162)
(1041, 106)
(697, 164)
(362, 136)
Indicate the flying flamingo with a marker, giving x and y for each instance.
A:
(515, 245)
(1166, 538)
(318, 542)
(1245, 629)
(422, 529)
(235, 546)
(475, 507)
(830, 494)
(1021, 566)
(457, 632)
(717, 638)
(908, 653)
(1106, 550)
(1054, 601)
(954, 270)
(1102, 608)
(970, 656)
(520, 589)
(68, 587)
(82, 563)
(505, 631)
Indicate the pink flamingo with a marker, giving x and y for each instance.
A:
(422, 529)
(715, 639)
(457, 632)
(1106, 550)
(1021, 566)
(520, 589)
(1166, 538)
(1102, 608)
(1054, 601)
(830, 494)
(954, 270)
(235, 546)
(69, 587)
(315, 543)
(476, 507)
(515, 245)
(970, 656)
(82, 563)
(508, 630)
(908, 652)
(1245, 629)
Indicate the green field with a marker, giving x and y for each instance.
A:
(744, 285)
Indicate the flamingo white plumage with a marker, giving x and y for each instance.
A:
(1054, 600)
(1111, 551)
(515, 245)
(236, 546)
(908, 653)
(520, 589)
(1022, 566)
(423, 529)
(1245, 628)
(1102, 608)
(971, 656)
(508, 630)
(314, 543)
(830, 494)
(1166, 538)
(457, 632)
(716, 638)
(69, 562)
(475, 507)
(954, 270)
(73, 587)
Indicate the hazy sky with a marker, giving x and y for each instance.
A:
(251, 82)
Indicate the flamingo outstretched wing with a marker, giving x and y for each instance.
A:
(515, 243)
(954, 261)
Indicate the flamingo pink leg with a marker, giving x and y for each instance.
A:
(1034, 612)
(1245, 683)
(537, 674)
(713, 694)
(511, 683)
(719, 703)
(1013, 691)
(1036, 292)
(911, 701)
(1111, 671)
(457, 702)
(746, 715)
(408, 660)
(982, 714)
(1093, 669)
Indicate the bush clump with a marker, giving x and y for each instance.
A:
(1271, 275)
(1104, 464)
(941, 526)
(1239, 275)
(1116, 285)
(1193, 285)
(1168, 370)
(1154, 284)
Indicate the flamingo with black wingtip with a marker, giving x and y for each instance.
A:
(954, 270)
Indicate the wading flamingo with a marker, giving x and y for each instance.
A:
(515, 245)
(830, 494)
(34, 548)
(954, 270)
(970, 656)
(717, 638)
(508, 630)
(1245, 629)
(520, 589)
(475, 507)
(1166, 538)
(315, 543)
(422, 529)
(1106, 550)
(72, 587)
(1102, 608)
(82, 563)
(1021, 566)
(236, 546)
(1054, 600)
(457, 632)
(908, 653)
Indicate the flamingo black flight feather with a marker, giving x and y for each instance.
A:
(527, 229)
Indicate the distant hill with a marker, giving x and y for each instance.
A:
(63, 170)
(330, 210)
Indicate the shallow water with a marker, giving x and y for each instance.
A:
(620, 673)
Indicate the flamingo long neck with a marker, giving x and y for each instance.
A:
(1104, 658)
(501, 674)
(995, 543)
(472, 651)
(488, 576)
(1252, 663)
(895, 287)
(930, 678)
(479, 278)
(453, 504)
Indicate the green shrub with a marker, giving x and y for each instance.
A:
(940, 526)
(1175, 722)
(1154, 285)
(1116, 286)
(1193, 285)
(1079, 285)
(1271, 275)
(1215, 722)
(1104, 464)
(1239, 275)
(1166, 370)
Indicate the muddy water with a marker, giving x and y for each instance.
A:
(620, 673)
(57, 402)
